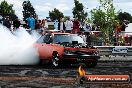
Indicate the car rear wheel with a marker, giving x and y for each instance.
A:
(55, 59)
(91, 63)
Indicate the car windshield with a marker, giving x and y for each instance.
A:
(61, 38)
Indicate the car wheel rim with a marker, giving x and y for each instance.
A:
(55, 60)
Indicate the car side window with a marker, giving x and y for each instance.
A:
(41, 39)
(48, 38)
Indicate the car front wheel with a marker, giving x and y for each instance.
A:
(55, 59)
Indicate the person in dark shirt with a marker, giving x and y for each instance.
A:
(7, 23)
(38, 26)
(124, 25)
(88, 38)
(26, 26)
(16, 23)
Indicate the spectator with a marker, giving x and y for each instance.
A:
(81, 34)
(61, 25)
(1, 19)
(88, 38)
(26, 26)
(16, 23)
(31, 22)
(94, 27)
(38, 26)
(56, 24)
(81, 27)
(87, 26)
(36, 19)
(69, 25)
(76, 25)
(7, 23)
(124, 25)
(43, 23)
(46, 25)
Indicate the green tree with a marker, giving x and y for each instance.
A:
(28, 9)
(65, 18)
(106, 17)
(7, 10)
(78, 11)
(55, 14)
(124, 16)
(98, 17)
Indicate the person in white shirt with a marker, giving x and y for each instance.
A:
(61, 25)
(56, 24)
(69, 25)
(46, 24)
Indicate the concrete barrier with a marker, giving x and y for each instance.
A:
(114, 50)
(116, 58)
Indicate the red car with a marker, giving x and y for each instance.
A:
(65, 48)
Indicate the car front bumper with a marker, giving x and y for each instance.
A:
(73, 58)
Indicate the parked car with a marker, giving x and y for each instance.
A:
(65, 48)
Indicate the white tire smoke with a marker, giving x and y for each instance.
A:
(17, 48)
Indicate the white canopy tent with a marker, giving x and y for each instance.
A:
(128, 29)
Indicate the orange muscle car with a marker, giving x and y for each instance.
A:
(66, 48)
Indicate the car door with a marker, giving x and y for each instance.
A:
(44, 47)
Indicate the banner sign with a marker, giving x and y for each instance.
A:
(118, 50)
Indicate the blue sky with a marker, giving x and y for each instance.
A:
(43, 7)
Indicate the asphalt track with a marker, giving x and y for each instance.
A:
(62, 77)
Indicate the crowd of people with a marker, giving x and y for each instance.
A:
(68, 26)
(35, 24)
(31, 24)
(73, 26)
